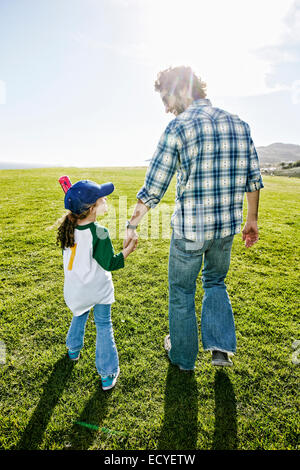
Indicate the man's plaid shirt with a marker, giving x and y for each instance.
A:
(216, 162)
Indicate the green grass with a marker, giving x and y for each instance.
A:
(154, 405)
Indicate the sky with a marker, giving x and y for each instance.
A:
(77, 76)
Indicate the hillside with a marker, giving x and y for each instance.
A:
(270, 155)
(22, 166)
(275, 153)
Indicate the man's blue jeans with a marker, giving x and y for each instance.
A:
(217, 323)
(107, 361)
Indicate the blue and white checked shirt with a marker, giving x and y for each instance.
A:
(216, 162)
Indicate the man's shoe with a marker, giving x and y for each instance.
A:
(167, 346)
(167, 343)
(74, 355)
(220, 358)
(109, 381)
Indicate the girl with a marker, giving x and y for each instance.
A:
(89, 258)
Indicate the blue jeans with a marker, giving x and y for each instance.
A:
(217, 323)
(107, 361)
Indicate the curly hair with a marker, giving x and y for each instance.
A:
(65, 231)
(174, 79)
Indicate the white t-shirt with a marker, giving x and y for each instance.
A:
(87, 268)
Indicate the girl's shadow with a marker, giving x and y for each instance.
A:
(35, 429)
(81, 437)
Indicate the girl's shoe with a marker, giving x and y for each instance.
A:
(109, 381)
(74, 355)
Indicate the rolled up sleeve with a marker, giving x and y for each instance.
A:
(254, 180)
(161, 169)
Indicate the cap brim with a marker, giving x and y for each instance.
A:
(106, 189)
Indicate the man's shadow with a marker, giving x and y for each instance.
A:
(179, 430)
(35, 429)
(225, 434)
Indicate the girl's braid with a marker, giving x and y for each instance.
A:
(65, 232)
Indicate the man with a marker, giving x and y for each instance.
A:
(216, 162)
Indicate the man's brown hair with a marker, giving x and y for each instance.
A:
(174, 79)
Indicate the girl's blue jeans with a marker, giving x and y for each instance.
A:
(217, 322)
(107, 361)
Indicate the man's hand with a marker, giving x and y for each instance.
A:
(139, 211)
(250, 233)
(131, 246)
(130, 235)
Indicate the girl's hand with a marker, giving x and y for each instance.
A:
(131, 246)
(130, 235)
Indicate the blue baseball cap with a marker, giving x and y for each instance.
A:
(81, 195)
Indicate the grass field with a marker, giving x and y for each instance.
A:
(154, 405)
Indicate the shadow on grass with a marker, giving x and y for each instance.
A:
(81, 437)
(179, 430)
(225, 434)
(35, 429)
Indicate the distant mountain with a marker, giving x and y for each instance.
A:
(278, 152)
(22, 166)
(270, 155)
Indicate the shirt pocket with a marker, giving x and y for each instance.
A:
(188, 247)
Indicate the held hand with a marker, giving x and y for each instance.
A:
(132, 245)
(130, 248)
(250, 233)
(130, 235)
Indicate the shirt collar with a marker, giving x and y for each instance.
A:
(200, 102)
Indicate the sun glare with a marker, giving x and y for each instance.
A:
(218, 39)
